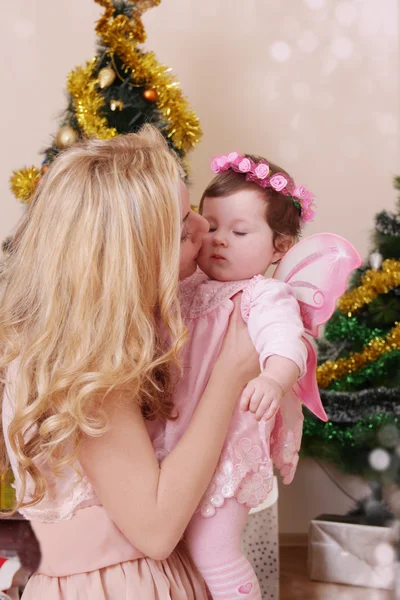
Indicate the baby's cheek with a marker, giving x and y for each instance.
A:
(243, 264)
(203, 262)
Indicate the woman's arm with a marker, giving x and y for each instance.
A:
(151, 503)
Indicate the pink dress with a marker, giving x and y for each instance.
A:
(244, 475)
(272, 313)
(84, 554)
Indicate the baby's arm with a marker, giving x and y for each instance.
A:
(276, 329)
(263, 395)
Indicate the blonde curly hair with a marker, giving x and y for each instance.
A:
(88, 296)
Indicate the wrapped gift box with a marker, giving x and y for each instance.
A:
(342, 551)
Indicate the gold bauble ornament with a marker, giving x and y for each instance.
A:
(150, 95)
(114, 104)
(66, 137)
(106, 77)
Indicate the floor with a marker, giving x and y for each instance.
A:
(295, 584)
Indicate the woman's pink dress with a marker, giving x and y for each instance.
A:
(84, 554)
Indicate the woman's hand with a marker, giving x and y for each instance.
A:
(238, 357)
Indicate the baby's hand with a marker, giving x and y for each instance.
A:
(262, 396)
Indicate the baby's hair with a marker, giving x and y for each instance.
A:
(281, 214)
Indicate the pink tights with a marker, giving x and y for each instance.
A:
(214, 545)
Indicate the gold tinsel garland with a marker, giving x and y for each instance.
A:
(373, 283)
(121, 36)
(83, 88)
(332, 370)
(23, 183)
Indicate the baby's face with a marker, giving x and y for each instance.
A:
(239, 244)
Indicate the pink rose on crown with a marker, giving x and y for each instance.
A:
(305, 203)
(278, 182)
(232, 156)
(261, 170)
(215, 166)
(220, 163)
(308, 214)
(304, 195)
(244, 165)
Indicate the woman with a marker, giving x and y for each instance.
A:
(90, 333)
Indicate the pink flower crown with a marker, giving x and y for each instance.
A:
(259, 173)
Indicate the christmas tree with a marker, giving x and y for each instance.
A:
(118, 91)
(359, 367)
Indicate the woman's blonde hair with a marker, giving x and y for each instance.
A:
(88, 296)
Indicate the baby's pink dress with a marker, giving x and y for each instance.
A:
(84, 554)
(244, 475)
(251, 449)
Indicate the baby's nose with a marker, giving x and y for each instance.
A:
(219, 240)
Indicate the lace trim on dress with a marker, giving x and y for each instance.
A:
(285, 446)
(196, 302)
(245, 471)
(211, 296)
(247, 475)
(82, 491)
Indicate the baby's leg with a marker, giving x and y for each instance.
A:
(214, 544)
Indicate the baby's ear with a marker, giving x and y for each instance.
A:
(282, 245)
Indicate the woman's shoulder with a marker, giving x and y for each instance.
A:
(65, 494)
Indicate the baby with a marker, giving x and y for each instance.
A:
(255, 213)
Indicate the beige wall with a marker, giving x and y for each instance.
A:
(312, 84)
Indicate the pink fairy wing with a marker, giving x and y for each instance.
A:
(317, 268)
(307, 387)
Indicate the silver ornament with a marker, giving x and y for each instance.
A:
(375, 260)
